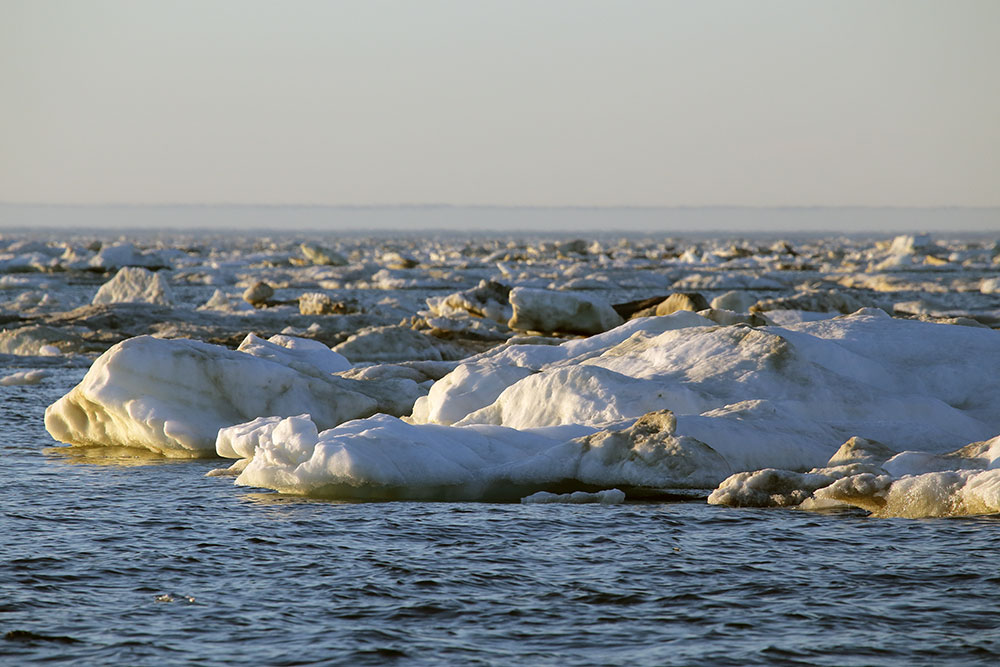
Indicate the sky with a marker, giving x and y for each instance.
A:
(505, 103)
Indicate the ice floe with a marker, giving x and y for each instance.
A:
(869, 475)
(135, 285)
(385, 458)
(24, 377)
(173, 396)
(551, 311)
(667, 406)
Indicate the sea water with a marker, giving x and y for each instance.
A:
(119, 560)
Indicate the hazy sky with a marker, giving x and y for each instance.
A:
(536, 102)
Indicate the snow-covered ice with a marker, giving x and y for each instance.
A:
(133, 284)
(173, 396)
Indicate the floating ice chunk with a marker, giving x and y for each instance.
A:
(172, 396)
(230, 304)
(861, 450)
(768, 488)
(390, 279)
(9, 282)
(771, 487)
(317, 303)
(24, 377)
(909, 484)
(766, 397)
(133, 284)
(831, 301)
(990, 286)
(729, 280)
(240, 441)
(322, 256)
(607, 497)
(470, 326)
(417, 371)
(946, 493)
(488, 299)
(303, 354)
(385, 458)
(908, 244)
(735, 300)
(974, 456)
(551, 311)
(28, 263)
(35, 339)
(399, 261)
(258, 294)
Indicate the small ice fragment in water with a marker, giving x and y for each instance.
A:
(170, 597)
(23, 377)
(607, 497)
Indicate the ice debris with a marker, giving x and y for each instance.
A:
(551, 311)
(23, 377)
(133, 284)
(607, 497)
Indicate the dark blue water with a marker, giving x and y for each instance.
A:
(151, 563)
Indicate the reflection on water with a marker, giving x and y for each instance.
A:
(110, 456)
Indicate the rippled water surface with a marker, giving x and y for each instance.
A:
(126, 561)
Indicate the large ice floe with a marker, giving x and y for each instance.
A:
(173, 396)
(665, 403)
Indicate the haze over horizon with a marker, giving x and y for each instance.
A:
(511, 104)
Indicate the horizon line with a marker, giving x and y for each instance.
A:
(444, 205)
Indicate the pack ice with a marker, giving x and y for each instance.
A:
(672, 402)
